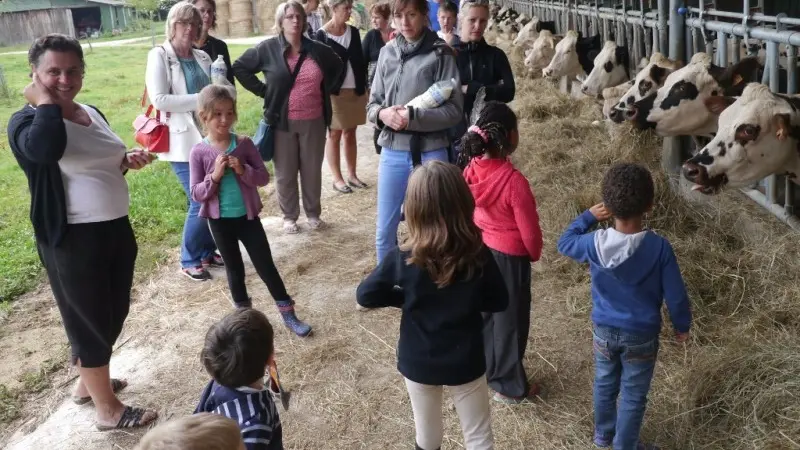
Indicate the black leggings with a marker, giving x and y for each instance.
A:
(91, 273)
(227, 233)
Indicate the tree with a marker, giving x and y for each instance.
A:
(147, 6)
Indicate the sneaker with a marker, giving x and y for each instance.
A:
(290, 227)
(602, 442)
(533, 391)
(196, 273)
(215, 260)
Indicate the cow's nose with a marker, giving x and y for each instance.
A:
(692, 172)
(585, 89)
(615, 115)
(632, 112)
(546, 72)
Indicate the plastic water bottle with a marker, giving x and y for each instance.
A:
(219, 72)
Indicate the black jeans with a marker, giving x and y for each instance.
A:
(227, 233)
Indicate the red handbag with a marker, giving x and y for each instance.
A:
(150, 132)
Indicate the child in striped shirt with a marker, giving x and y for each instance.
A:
(237, 351)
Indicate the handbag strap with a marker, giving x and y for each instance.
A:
(169, 83)
(296, 70)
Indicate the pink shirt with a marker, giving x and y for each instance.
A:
(305, 100)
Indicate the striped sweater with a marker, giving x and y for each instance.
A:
(253, 409)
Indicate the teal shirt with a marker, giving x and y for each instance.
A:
(231, 203)
(196, 78)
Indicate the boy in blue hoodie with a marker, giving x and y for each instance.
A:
(237, 352)
(633, 270)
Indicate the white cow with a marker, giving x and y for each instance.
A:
(610, 69)
(540, 55)
(755, 138)
(566, 61)
(527, 35)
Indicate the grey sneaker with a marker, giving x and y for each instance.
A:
(198, 273)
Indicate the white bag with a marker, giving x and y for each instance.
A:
(435, 96)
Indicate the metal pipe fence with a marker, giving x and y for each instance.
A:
(679, 31)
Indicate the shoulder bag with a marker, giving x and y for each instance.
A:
(150, 132)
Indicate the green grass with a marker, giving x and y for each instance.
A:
(114, 83)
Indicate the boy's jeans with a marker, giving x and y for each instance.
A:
(393, 172)
(624, 364)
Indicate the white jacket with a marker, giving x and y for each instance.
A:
(174, 99)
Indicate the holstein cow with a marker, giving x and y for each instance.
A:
(538, 57)
(647, 82)
(679, 108)
(610, 69)
(574, 56)
(757, 137)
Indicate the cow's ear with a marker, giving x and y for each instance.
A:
(658, 74)
(718, 103)
(783, 126)
(735, 77)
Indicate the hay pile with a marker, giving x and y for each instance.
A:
(737, 384)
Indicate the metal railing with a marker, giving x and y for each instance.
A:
(672, 28)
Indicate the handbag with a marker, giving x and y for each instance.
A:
(150, 132)
(264, 138)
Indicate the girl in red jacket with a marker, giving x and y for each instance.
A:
(505, 211)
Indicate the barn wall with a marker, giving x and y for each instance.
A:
(24, 27)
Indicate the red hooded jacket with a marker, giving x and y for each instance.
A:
(505, 208)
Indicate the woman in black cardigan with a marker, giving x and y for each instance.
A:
(348, 99)
(209, 44)
(372, 44)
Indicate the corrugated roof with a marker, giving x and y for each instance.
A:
(108, 2)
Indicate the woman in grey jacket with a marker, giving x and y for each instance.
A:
(407, 67)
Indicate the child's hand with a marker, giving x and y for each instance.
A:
(219, 168)
(236, 165)
(600, 212)
(682, 337)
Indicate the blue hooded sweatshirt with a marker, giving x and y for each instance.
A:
(631, 275)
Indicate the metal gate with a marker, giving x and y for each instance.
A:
(679, 29)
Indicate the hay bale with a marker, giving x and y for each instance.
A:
(240, 10)
(241, 28)
(222, 29)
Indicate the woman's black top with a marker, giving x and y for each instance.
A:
(214, 47)
(481, 64)
(371, 46)
(352, 54)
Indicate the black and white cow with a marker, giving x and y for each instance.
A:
(528, 34)
(647, 81)
(757, 137)
(574, 56)
(679, 109)
(610, 69)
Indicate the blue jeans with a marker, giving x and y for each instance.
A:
(393, 172)
(624, 364)
(197, 243)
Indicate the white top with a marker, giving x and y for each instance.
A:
(344, 41)
(166, 87)
(94, 186)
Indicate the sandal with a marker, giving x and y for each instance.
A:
(116, 386)
(315, 223)
(131, 418)
(357, 184)
(344, 189)
(290, 227)
(533, 391)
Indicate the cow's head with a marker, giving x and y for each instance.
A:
(565, 60)
(646, 83)
(527, 34)
(611, 97)
(757, 137)
(610, 69)
(679, 106)
(544, 47)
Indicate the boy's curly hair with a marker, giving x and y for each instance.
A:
(628, 190)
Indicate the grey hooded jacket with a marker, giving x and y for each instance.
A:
(399, 78)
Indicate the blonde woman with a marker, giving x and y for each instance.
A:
(175, 74)
(300, 110)
(349, 97)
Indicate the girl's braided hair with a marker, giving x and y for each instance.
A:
(492, 136)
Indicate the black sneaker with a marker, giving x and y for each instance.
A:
(196, 273)
(215, 260)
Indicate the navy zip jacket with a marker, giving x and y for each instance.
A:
(631, 276)
(481, 64)
(254, 410)
(441, 329)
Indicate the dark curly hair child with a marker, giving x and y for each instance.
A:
(505, 211)
(633, 271)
